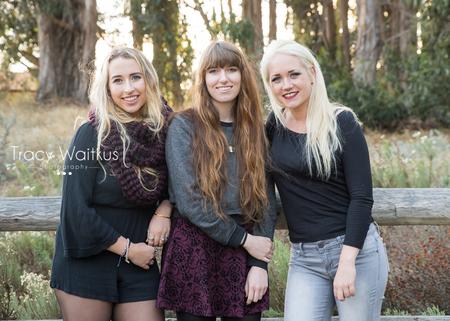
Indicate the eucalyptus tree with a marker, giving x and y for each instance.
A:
(160, 21)
(54, 39)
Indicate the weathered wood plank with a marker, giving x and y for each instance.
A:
(393, 206)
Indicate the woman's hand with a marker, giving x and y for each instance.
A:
(159, 227)
(256, 284)
(259, 247)
(344, 281)
(158, 231)
(142, 255)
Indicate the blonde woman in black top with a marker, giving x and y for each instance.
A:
(114, 199)
(322, 172)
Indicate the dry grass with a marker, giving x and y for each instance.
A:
(40, 126)
(407, 159)
(36, 127)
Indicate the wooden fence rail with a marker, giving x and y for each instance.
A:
(392, 206)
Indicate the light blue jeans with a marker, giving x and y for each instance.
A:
(312, 268)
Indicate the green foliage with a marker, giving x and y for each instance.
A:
(433, 310)
(394, 311)
(237, 31)
(377, 106)
(18, 33)
(278, 270)
(172, 50)
(307, 23)
(428, 90)
(24, 272)
(409, 91)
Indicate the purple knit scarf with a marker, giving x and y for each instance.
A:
(145, 150)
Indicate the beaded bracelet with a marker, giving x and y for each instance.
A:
(159, 215)
(127, 250)
(124, 253)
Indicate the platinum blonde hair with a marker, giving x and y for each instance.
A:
(321, 126)
(106, 111)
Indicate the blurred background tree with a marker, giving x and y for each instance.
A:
(386, 59)
(55, 38)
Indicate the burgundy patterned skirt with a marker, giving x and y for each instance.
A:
(202, 277)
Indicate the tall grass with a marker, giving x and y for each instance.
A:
(420, 159)
(278, 270)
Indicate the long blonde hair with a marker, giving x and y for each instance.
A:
(323, 139)
(210, 145)
(106, 111)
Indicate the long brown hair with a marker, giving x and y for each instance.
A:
(210, 146)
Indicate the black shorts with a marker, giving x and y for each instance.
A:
(98, 277)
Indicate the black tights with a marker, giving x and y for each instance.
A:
(183, 316)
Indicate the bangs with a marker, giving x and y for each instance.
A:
(220, 55)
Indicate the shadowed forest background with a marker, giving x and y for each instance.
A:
(386, 59)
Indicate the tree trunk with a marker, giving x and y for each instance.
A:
(273, 20)
(408, 28)
(165, 40)
(343, 10)
(369, 42)
(329, 27)
(137, 32)
(251, 10)
(66, 46)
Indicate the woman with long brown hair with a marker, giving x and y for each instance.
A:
(215, 261)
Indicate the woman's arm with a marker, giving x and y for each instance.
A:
(358, 179)
(84, 233)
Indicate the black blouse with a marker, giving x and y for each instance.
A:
(318, 209)
(90, 200)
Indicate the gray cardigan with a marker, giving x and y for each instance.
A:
(187, 198)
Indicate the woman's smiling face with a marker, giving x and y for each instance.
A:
(290, 81)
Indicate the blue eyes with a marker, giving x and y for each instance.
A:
(133, 78)
(292, 75)
(276, 79)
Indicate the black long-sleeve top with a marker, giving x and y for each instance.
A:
(92, 201)
(315, 208)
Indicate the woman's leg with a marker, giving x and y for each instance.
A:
(138, 311)
(371, 279)
(184, 316)
(309, 290)
(75, 308)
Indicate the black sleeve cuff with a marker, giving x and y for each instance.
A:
(94, 250)
(251, 261)
(354, 243)
(236, 237)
